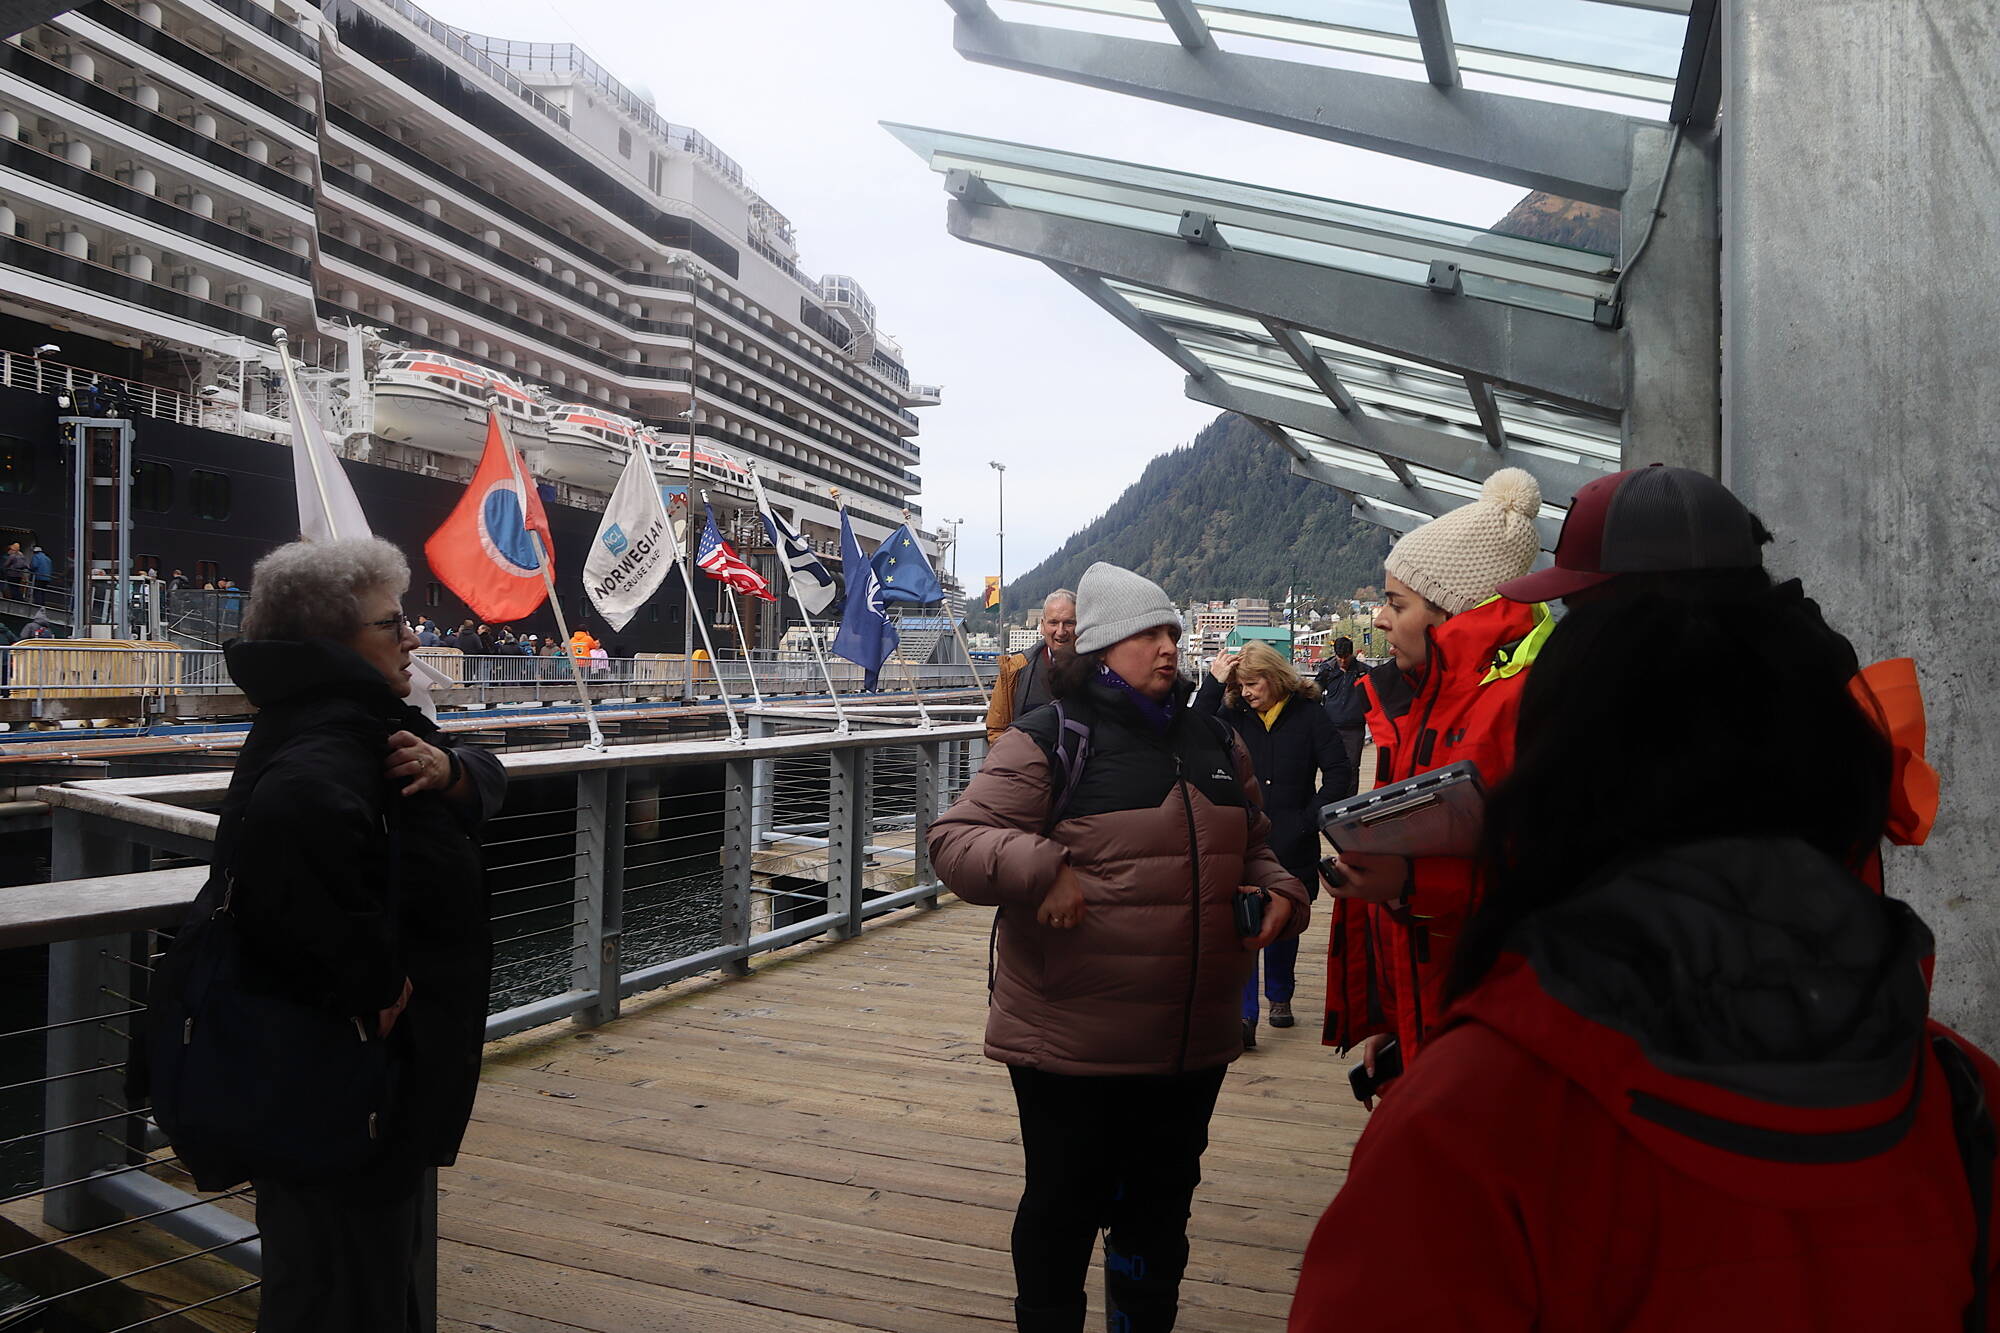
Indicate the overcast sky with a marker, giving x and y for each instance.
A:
(1035, 376)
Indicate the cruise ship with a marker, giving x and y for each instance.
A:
(434, 216)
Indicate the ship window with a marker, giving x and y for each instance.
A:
(152, 487)
(17, 466)
(211, 494)
(624, 143)
(206, 572)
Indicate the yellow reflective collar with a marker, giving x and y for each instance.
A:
(1511, 659)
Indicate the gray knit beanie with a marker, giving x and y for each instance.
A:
(1114, 603)
(1455, 560)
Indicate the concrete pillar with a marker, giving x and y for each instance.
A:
(1861, 398)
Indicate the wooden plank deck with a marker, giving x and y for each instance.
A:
(821, 1146)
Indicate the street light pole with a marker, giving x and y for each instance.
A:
(1001, 605)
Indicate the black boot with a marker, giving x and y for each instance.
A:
(1067, 1318)
(1136, 1298)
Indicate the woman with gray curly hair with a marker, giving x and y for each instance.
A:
(350, 832)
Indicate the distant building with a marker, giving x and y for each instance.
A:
(1019, 639)
(1251, 610)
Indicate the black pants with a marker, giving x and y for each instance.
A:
(337, 1264)
(1352, 738)
(1120, 1152)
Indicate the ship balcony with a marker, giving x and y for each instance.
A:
(925, 395)
(138, 114)
(124, 47)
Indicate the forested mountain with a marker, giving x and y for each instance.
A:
(1221, 517)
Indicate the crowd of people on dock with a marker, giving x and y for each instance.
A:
(1656, 1056)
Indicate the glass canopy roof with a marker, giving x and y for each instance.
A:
(1621, 48)
(1327, 232)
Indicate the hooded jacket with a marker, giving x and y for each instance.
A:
(1387, 966)
(1287, 756)
(1700, 1095)
(307, 825)
(1160, 830)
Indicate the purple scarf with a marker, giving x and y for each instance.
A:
(1159, 712)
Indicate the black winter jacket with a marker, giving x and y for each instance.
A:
(1302, 742)
(307, 825)
(1346, 702)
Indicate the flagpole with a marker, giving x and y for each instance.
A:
(715, 663)
(812, 630)
(735, 615)
(596, 741)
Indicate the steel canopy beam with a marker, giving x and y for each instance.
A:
(1188, 25)
(1423, 499)
(1571, 151)
(1308, 359)
(1134, 319)
(1433, 449)
(1393, 519)
(1489, 411)
(1434, 36)
(1527, 350)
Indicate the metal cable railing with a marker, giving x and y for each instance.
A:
(609, 873)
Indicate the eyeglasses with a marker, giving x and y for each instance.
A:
(394, 624)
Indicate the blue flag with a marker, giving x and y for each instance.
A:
(906, 576)
(866, 636)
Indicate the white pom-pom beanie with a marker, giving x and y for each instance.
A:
(1455, 561)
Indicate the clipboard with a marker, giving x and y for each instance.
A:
(1439, 813)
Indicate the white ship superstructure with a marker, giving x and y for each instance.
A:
(188, 174)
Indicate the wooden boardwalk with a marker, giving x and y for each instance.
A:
(821, 1146)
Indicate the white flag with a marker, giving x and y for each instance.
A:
(635, 547)
(329, 511)
(806, 578)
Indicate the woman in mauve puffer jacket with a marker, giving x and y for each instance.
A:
(1119, 968)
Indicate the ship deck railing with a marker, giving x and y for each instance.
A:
(612, 874)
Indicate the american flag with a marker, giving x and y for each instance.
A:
(719, 560)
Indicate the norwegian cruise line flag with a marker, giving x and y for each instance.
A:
(635, 546)
(866, 636)
(484, 552)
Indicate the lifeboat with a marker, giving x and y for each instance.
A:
(588, 446)
(436, 401)
(711, 466)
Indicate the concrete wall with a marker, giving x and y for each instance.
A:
(1861, 383)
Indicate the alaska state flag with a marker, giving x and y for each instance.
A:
(866, 636)
(483, 552)
(906, 576)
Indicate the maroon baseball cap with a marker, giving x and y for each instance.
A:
(1651, 520)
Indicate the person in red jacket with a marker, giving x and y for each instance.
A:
(1690, 1080)
(1460, 655)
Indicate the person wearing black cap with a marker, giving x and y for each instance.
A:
(1688, 1078)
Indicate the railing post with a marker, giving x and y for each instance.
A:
(739, 807)
(928, 784)
(764, 772)
(846, 837)
(83, 977)
(600, 862)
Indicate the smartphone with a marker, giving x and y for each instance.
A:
(1250, 912)
(1388, 1065)
(1330, 871)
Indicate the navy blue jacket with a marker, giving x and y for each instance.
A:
(1287, 756)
